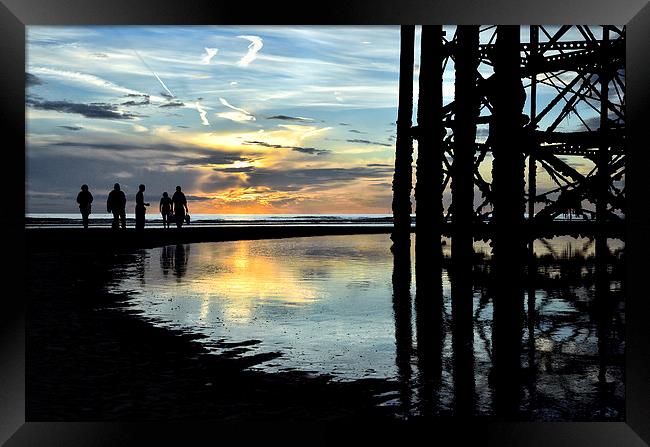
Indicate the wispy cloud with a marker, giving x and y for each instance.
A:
(173, 104)
(143, 102)
(209, 54)
(30, 80)
(289, 118)
(203, 113)
(368, 142)
(304, 150)
(84, 78)
(154, 73)
(239, 115)
(93, 110)
(255, 46)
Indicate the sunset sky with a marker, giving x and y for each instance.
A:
(246, 119)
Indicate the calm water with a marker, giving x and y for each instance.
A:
(154, 220)
(328, 305)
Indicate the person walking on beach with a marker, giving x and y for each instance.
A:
(179, 207)
(116, 204)
(165, 208)
(140, 209)
(84, 199)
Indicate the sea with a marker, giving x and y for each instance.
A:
(154, 220)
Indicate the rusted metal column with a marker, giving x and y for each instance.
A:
(402, 179)
(428, 191)
(467, 111)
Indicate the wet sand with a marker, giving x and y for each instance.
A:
(76, 239)
(91, 359)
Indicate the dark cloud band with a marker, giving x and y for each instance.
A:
(93, 110)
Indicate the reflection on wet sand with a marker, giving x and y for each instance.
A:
(457, 331)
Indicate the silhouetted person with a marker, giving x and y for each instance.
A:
(140, 209)
(116, 204)
(165, 208)
(179, 207)
(84, 199)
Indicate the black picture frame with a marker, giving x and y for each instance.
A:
(16, 14)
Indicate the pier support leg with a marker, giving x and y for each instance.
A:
(428, 191)
(402, 179)
(467, 111)
(508, 199)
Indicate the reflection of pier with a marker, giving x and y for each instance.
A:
(456, 363)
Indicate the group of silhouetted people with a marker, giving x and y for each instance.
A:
(174, 208)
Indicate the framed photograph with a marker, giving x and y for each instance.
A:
(218, 231)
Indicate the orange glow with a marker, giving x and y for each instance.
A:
(251, 277)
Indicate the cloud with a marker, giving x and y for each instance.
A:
(369, 142)
(209, 54)
(239, 115)
(203, 113)
(235, 116)
(289, 118)
(145, 101)
(173, 104)
(75, 128)
(227, 104)
(193, 198)
(93, 110)
(310, 150)
(305, 150)
(244, 169)
(355, 131)
(256, 45)
(31, 80)
(326, 178)
(84, 78)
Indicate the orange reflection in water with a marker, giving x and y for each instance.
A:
(242, 277)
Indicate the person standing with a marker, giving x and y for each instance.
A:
(165, 208)
(116, 204)
(140, 209)
(179, 207)
(84, 199)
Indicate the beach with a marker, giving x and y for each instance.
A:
(90, 359)
(93, 354)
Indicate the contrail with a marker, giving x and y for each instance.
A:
(203, 114)
(256, 45)
(154, 73)
(227, 104)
